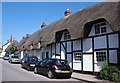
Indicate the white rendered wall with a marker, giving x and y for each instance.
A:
(77, 65)
(69, 58)
(77, 45)
(113, 56)
(58, 48)
(69, 46)
(87, 45)
(21, 55)
(87, 62)
(4, 48)
(113, 41)
(100, 42)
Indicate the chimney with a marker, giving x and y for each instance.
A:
(26, 36)
(43, 25)
(67, 12)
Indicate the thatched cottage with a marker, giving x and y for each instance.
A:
(86, 38)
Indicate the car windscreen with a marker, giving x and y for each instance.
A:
(61, 62)
(6, 56)
(32, 59)
(14, 57)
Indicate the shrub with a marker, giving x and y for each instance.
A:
(113, 73)
(104, 73)
(109, 73)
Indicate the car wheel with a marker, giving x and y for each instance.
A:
(35, 70)
(50, 74)
(9, 61)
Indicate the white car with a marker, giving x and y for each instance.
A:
(14, 59)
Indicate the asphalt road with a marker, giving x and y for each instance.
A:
(14, 72)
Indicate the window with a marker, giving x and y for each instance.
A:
(101, 56)
(100, 28)
(66, 35)
(77, 56)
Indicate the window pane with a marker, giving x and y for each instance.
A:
(77, 56)
(100, 56)
(103, 29)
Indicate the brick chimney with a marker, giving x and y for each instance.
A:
(26, 36)
(67, 12)
(43, 25)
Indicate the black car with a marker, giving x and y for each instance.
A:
(28, 62)
(53, 68)
(6, 57)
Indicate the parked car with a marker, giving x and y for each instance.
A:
(53, 68)
(14, 59)
(28, 62)
(6, 57)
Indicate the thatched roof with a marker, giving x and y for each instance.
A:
(13, 44)
(20, 44)
(78, 24)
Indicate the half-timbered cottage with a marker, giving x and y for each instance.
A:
(86, 38)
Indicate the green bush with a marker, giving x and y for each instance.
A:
(113, 73)
(104, 73)
(109, 73)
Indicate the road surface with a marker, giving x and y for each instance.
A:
(14, 72)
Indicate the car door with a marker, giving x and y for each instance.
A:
(47, 66)
(25, 62)
(41, 66)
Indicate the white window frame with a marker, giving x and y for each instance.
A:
(100, 27)
(67, 35)
(101, 57)
(77, 54)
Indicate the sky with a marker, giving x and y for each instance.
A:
(20, 18)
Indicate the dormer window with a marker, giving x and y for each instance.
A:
(100, 28)
(67, 35)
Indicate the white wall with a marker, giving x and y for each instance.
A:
(69, 58)
(77, 65)
(4, 48)
(77, 45)
(87, 62)
(87, 45)
(113, 41)
(113, 56)
(100, 42)
(69, 46)
(58, 48)
(22, 54)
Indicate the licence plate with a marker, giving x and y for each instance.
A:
(32, 65)
(65, 71)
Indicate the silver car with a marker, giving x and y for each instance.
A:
(14, 59)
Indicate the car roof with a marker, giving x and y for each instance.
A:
(53, 59)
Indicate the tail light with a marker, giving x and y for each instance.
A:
(55, 67)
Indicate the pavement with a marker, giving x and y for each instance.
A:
(89, 78)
